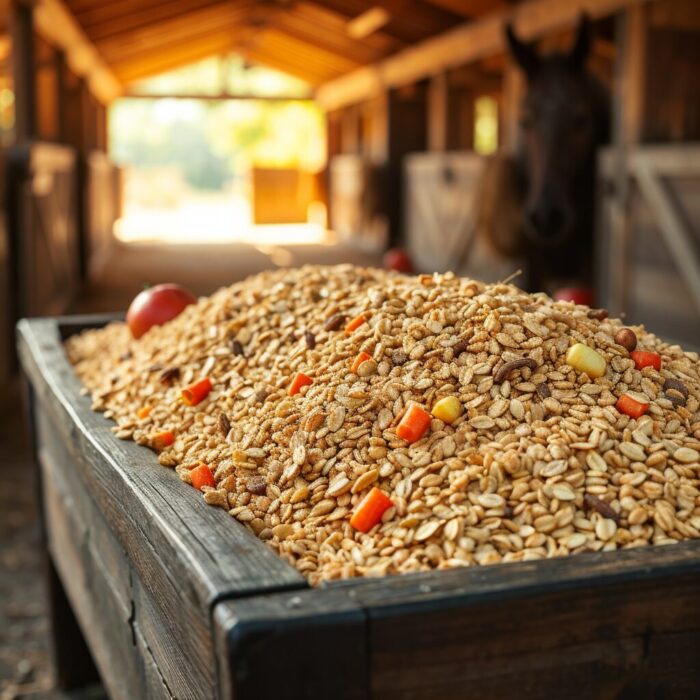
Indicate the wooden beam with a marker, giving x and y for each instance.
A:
(23, 72)
(437, 112)
(331, 20)
(4, 17)
(168, 57)
(100, 25)
(214, 96)
(299, 69)
(368, 22)
(513, 90)
(56, 24)
(183, 30)
(294, 24)
(469, 8)
(410, 20)
(464, 44)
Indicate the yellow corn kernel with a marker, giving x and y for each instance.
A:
(586, 359)
(448, 409)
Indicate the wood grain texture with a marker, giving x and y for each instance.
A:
(196, 607)
(142, 501)
(599, 625)
(614, 625)
(114, 609)
(292, 646)
(142, 558)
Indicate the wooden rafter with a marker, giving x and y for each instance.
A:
(470, 9)
(56, 24)
(410, 20)
(463, 44)
(186, 29)
(107, 22)
(333, 38)
(321, 16)
(144, 64)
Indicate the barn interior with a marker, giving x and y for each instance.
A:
(417, 98)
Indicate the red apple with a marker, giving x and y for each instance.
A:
(579, 295)
(157, 305)
(397, 259)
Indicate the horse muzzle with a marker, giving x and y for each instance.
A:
(548, 224)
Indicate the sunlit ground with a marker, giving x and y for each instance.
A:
(214, 218)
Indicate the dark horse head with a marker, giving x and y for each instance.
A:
(563, 119)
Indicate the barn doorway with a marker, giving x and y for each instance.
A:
(219, 151)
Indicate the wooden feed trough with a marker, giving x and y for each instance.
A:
(177, 599)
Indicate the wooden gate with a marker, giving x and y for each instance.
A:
(649, 238)
(43, 229)
(100, 208)
(357, 198)
(441, 213)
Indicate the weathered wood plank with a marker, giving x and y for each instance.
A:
(104, 616)
(142, 501)
(600, 625)
(132, 637)
(177, 581)
(306, 644)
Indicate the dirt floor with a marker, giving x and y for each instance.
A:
(25, 663)
(24, 667)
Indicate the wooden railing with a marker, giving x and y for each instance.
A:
(649, 238)
(100, 207)
(43, 227)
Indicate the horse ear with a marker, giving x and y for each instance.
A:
(582, 44)
(525, 56)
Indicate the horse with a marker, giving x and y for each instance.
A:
(539, 205)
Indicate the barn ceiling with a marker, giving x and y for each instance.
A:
(315, 40)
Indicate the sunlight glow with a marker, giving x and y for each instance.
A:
(216, 218)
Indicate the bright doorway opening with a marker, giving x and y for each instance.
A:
(220, 151)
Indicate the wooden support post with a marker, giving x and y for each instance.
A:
(513, 89)
(350, 130)
(101, 127)
(628, 127)
(408, 132)
(629, 107)
(23, 69)
(60, 63)
(86, 118)
(376, 136)
(437, 112)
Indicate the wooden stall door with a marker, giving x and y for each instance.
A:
(101, 207)
(43, 227)
(442, 191)
(650, 238)
(357, 201)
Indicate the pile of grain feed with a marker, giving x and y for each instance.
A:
(528, 455)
